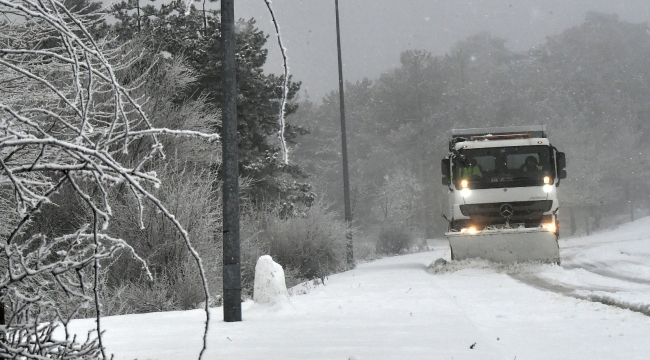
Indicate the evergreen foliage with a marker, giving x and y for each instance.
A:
(195, 35)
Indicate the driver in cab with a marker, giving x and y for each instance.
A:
(470, 170)
(531, 166)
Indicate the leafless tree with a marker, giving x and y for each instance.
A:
(65, 121)
(397, 198)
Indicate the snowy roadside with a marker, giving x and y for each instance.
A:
(394, 308)
(611, 267)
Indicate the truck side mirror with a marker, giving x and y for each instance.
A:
(561, 165)
(445, 171)
(561, 161)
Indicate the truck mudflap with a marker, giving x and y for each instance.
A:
(505, 245)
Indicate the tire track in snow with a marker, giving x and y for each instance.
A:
(601, 269)
(527, 274)
(542, 284)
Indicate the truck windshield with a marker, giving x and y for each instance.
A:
(513, 166)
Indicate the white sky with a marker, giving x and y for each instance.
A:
(374, 32)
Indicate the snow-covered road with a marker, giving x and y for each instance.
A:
(394, 308)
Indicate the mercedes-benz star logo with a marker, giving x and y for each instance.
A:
(506, 210)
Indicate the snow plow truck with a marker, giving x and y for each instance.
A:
(503, 194)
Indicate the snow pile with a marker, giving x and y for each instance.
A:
(270, 287)
(305, 287)
(441, 266)
(437, 266)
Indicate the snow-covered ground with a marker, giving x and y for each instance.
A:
(398, 308)
(612, 267)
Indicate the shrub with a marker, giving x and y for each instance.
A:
(365, 248)
(313, 243)
(188, 192)
(174, 289)
(252, 245)
(394, 239)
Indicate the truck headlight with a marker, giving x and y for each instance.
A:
(464, 185)
(470, 230)
(550, 227)
(547, 188)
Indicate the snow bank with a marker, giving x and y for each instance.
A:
(270, 287)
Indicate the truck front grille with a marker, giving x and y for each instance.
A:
(522, 211)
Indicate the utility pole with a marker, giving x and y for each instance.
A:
(344, 146)
(137, 3)
(229, 163)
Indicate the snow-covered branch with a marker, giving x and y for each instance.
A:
(66, 121)
(285, 85)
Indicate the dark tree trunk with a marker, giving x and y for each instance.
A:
(231, 244)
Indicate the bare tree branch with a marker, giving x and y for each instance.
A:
(65, 121)
(285, 85)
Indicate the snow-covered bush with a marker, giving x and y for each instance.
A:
(313, 243)
(176, 289)
(394, 238)
(190, 195)
(252, 244)
(365, 249)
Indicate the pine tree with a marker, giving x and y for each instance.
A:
(195, 34)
